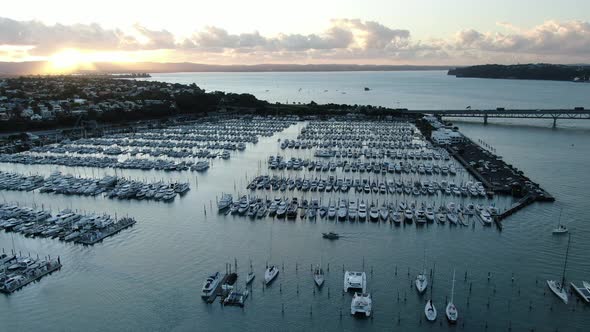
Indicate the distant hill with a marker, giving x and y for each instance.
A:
(33, 68)
(539, 71)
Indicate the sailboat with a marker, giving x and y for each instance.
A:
(421, 280)
(560, 229)
(271, 271)
(318, 276)
(429, 308)
(251, 275)
(451, 311)
(558, 287)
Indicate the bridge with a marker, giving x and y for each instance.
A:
(555, 114)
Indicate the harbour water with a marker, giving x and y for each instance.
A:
(149, 277)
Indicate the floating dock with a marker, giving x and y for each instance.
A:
(97, 236)
(16, 280)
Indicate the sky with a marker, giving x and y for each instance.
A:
(424, 32)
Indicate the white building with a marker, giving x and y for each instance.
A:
(446, 136)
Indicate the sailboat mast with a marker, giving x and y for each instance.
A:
(565, 263)
(453, 287)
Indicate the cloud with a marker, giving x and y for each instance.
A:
(552, 38)
(344, 41)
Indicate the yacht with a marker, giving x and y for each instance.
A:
(362, 211)
(318, 276)
(355, 280)
(342, 210)
(225, 202)
(421, 282)
(210, 285)
(361, 304)
(558, 287)
(485, 217)
(270, 274)
(451, 310)
(331, 212)
(352, 211)
(374, 213)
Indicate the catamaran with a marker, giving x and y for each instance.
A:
(558, 287)
(451, 311)
(361, 304)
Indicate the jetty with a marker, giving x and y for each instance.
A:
(19, 271)
(93, 237)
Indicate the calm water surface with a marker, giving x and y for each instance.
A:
(149, 277)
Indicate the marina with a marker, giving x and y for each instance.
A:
(344, 199)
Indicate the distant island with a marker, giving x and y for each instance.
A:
(540, 71)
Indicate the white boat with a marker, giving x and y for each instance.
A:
(558, 287)
(485, 217)
(270, 274)
(586, 284)
(355, 280)
(210, 285)
(361, 304)
(430, 311)
(318, 276)
(225, 202)
(251, 275)
(560, 229)
(421, 280)
(451, 310)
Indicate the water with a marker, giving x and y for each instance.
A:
(149, 277)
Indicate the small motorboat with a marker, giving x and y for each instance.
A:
(330, 236)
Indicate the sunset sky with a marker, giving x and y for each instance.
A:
(263, 31)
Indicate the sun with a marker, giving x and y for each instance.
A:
(67, 60)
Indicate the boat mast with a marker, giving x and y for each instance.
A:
(559, 220)
(453, 288)
(565, 263)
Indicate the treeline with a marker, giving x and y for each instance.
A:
(525, 72)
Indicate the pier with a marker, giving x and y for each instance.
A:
(99, 235)
(20, 271)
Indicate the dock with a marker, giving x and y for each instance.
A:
(22, 278)
(97, 236)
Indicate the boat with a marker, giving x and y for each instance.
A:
(330, 236)
(236, 298)
(318, 276)
(270, 274)
(485, 217)
(251, 275)
(421, 281)
(558, 287)
(582, 292)
(430, 311)
(560, 229)
(355, 280)
(210, 285)
(361, 304)
(586, 284)
(451, 310)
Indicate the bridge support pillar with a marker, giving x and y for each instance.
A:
(485, 119)
(554, 122)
